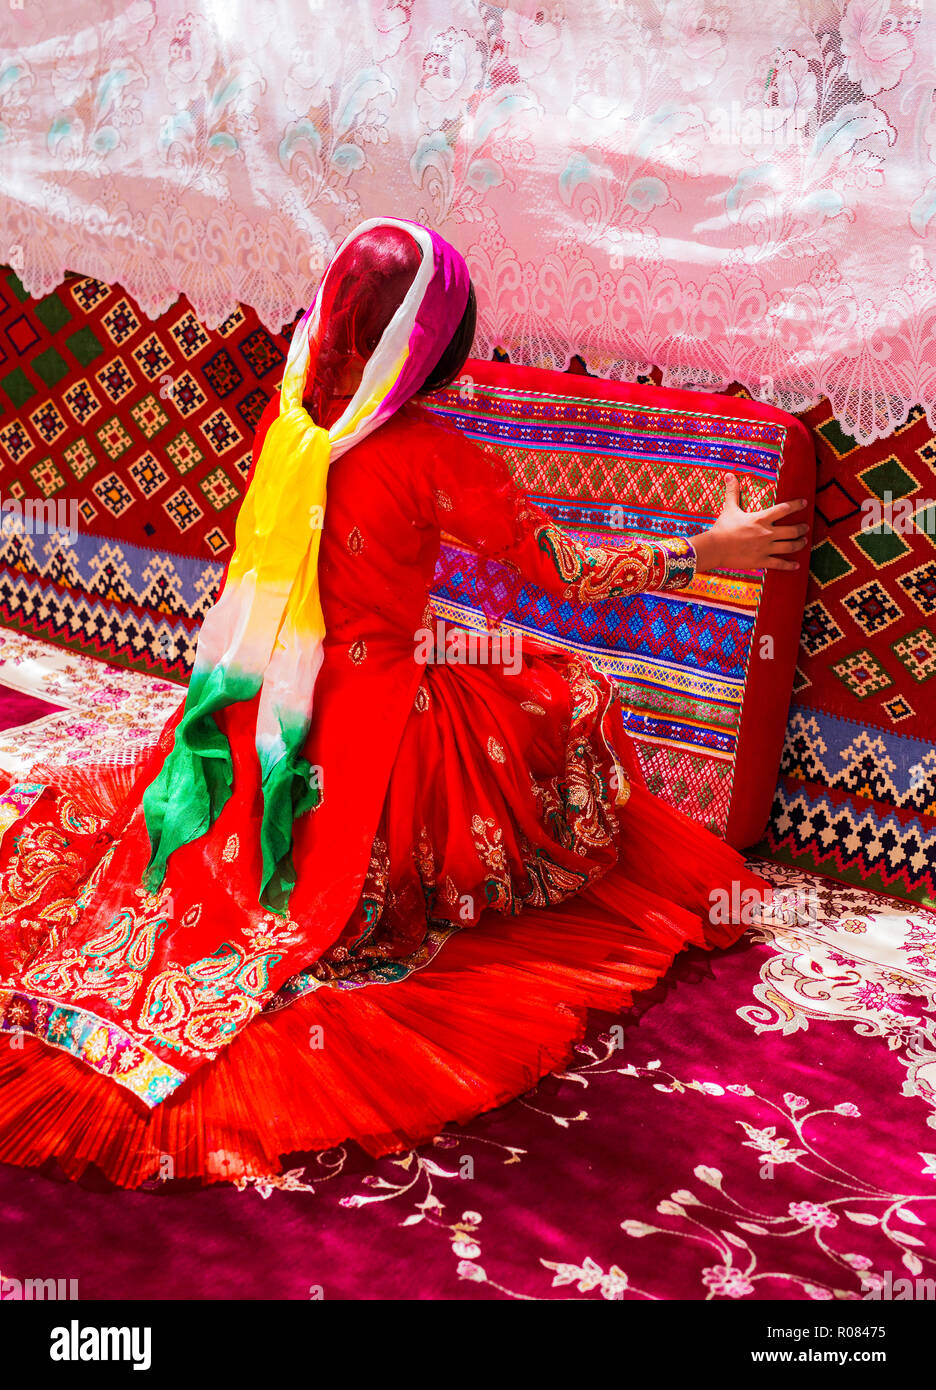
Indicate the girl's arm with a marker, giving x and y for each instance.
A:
(476, 501)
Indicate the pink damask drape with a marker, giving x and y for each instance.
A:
(725, 191)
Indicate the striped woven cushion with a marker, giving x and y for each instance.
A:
(704, 674)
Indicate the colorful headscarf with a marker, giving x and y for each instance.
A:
(266, 631)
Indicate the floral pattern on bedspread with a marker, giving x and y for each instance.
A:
(109, 712)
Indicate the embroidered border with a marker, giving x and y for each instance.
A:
(680, 562)
(16, 801)
(101, 1044)
(384, 973)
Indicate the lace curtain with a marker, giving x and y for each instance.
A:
(731, 191)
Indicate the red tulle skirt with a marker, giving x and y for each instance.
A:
(502, 1004)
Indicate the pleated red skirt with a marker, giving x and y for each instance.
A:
(388, 1065)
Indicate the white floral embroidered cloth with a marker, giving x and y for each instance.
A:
(725, 191)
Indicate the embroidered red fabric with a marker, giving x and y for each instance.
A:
(510, 808)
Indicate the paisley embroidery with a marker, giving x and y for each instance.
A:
(488, 841)
(193, 1008)
(202, 1005)
(78, 821)
(448, 893)
(602, 572)
(550, 883)
(577, 804)
(40, 856)
(495, 751)
(425, 863)
(231, 849)
(358, 652)
(421, 702)
(73, 909)
(355, 541)
(109, 966)
(16, 801)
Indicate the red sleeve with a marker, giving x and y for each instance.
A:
(476, 500)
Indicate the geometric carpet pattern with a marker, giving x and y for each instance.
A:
(856, 799)
(135, 438)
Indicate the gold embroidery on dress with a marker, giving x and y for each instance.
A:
(489, 843)
(41, 857)
(550, 883)
(422, 700)
(358, 652)
(495, 751)
(112, 964)
(575, 805)
(193, 1008)
(231, 849)
(75, 819)
(200, 1005)
(598, 571)
(425, 861)
(41, 854)
(355, 541)
(443, 500)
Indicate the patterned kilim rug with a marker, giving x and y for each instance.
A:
(857, 793)
(138, 433)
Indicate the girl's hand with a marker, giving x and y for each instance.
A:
(742, 540)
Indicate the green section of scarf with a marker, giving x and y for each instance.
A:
(197, 778)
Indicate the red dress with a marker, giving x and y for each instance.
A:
(484, 866)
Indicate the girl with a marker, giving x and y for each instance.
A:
(355, 893)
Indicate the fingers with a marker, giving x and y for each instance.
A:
(774, 564)
(783, 509)
(788, 533)
(785, 547)
(732, 491)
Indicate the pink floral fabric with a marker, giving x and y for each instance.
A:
(99, 711)
(726, 192)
